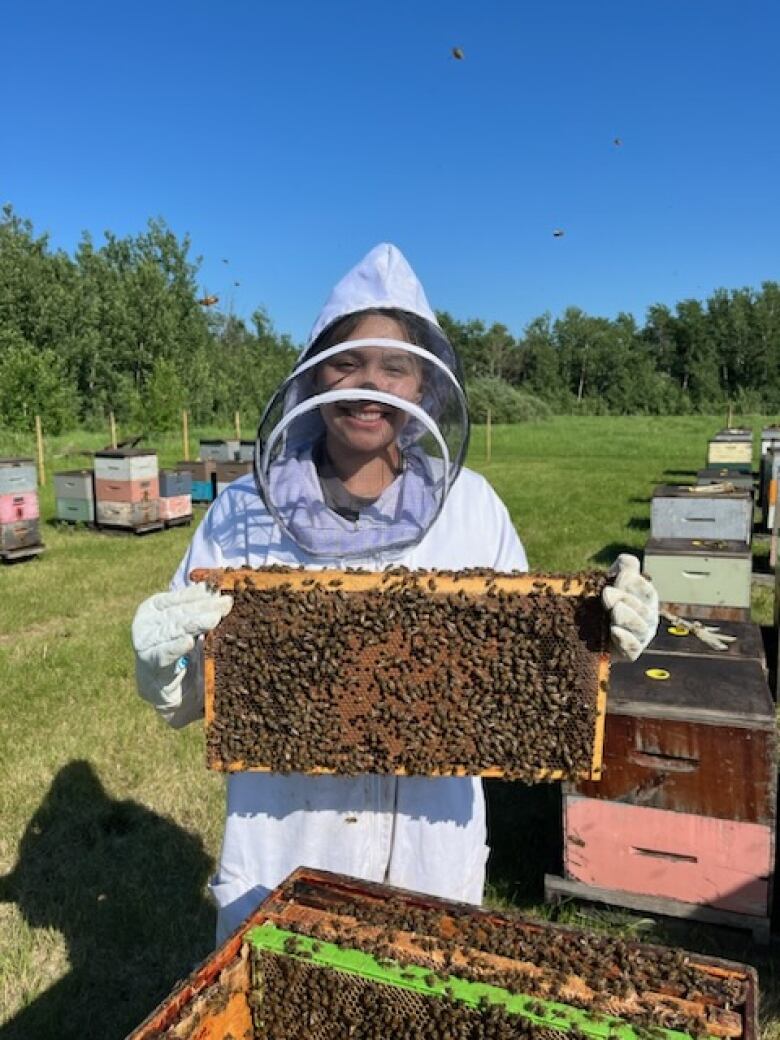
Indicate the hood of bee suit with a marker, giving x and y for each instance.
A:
(433, 440)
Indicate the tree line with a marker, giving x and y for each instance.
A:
(118, 327)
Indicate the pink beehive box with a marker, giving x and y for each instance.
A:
(175, 506)
(19, 507)
(127, 490)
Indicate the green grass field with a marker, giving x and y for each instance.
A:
(110, 823)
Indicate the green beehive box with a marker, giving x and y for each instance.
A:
(690, 574)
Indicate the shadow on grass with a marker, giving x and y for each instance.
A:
(607, 554)
(524, 833)
(639, 523)
(681, 472)
(126, 888)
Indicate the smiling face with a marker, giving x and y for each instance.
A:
(367, 428)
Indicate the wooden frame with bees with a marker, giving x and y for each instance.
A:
(408, 673)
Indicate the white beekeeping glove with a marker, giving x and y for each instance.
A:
(633, 606)
(708, 634)
(165, 629)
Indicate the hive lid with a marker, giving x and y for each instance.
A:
(733, 433)
(125, 453)
(700, 689)
(685, 491)
(73, 473)
(703, 547)
(17, 461)
(748, 642)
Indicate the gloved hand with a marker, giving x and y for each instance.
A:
(165, 628)
(633, 606)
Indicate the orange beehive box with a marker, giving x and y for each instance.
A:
(226, 996)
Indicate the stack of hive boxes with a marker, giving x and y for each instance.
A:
(202, 474)
(127, 489)
(683, 820)
(699, 554)
(19, 509)
(231, 459)
(175, 496)
(75, 496)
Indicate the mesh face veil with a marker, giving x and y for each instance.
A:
(396, 401)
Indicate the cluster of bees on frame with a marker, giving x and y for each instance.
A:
(643, 986)
(405, 677)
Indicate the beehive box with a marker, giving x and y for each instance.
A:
(125, 464)
(720, 451)
(701, 577)
(681, 511)
(227, 472)
(75, 484)
(175, 482)
(690, 735)
(17, 475)
(218, 450)
(75, 496)
(407, 672)
(428, 956)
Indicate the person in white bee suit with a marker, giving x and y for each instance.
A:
(358, 463)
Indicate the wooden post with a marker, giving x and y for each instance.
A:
(112, 427)
(185, 434)
(238, 426)
(39, 442)
(488, 437)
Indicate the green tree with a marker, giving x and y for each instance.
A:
(33, 382)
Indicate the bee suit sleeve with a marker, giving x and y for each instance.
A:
(168, 631)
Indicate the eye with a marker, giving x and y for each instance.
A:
(397, 368)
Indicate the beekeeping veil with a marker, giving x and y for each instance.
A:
(431, 431)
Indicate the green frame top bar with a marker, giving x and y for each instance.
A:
(272, 939)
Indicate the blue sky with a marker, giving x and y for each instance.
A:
(289, 138)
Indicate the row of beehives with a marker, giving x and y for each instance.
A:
(19, 509)
(126, 490)
(699, 553)
(683, 820)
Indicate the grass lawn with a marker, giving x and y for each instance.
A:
(110, 823)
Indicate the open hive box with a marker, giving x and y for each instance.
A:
(327, 956)
(407, 672)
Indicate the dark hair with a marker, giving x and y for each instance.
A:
(418, 331)
(415, 328)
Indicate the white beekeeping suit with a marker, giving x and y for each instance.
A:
(423, 834)
(418, 833)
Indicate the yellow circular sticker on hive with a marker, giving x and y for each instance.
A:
(678, 630)
(657, 673)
